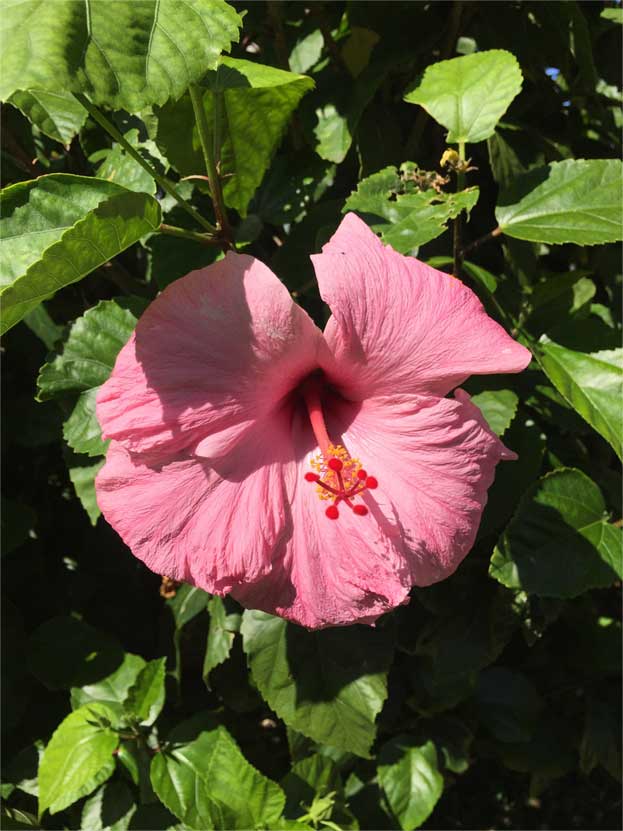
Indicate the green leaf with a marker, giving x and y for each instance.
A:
(509, 704)
(188, 602)
(249, 105)
(329, 685)
(83, 479)
(57, 114)
(558, 298)
(17, 522)
(86, 361)
(35, 214)
(498, 407)
(591, 383)
(145, 697)
(78, 758)
(111, 690)
(405, 216)
(579, 201)
(124, 55)
(59, 228)
(118, 166)
(40, 322)
(338, 120)
(314, 789)
(14, 818)
(469, 95)
(559, 543)
(111, 808)
(306, 52)
(223, 628)
(410, 779)
(23, 768)
(65, 652)
(599, 745)
(208, 783)
(615, 15)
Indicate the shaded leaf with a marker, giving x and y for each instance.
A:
(338, 122)
(65, 652)
(57, 114)
(111, 808)
(598, 745)
(145, 697)
(115, 165)
(469, 95)
(223, 628)
(509, 704)
(83, 479)
(86, 361)
(40, 322)
(559, 543)
(329, 685)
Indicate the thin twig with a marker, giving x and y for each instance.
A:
(183, 233)
(460, 184)
(164, 183)
(206, 141)
(481, 240)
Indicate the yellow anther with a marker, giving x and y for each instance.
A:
(348, 473)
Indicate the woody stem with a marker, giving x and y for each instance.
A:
(460, 184)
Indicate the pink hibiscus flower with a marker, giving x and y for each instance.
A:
(314, 475)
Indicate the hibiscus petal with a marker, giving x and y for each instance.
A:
(329, 572)
(217, 348)
(210, 527)
(434, 460)
(400, 326)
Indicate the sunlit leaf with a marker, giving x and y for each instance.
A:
(78, 758)
(579, 201)
(410, 778)
(406, 217)
(57, 229)
(250, 105)
(592, 383)
(469, 95)
(124, 55)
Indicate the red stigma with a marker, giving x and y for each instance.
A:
(340, 479)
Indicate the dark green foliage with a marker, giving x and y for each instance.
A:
(483, 138)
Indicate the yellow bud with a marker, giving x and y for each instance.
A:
(450, 157)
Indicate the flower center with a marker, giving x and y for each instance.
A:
(338, 477)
